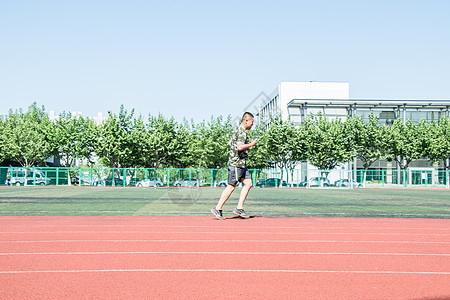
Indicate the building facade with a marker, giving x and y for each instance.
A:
(298, 100)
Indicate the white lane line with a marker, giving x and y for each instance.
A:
(226, 226)
(224, 270)
(221, 241)
(225, 253)
(225, 232)
(202, 214)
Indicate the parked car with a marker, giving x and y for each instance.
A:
(316, 182)
(75, 180)
(272, 182)
(24, 176)
(347, 183)
(150, 182)
(116, 181)
(133, 181)
(224, 183)
(189, 182)
(85, 180)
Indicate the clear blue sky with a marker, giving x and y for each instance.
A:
(197, 59)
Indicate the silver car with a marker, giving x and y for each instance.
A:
(316, 182)
(347, 183)
(222, 183)
(189, 182)
(150, 182)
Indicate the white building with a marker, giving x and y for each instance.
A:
(278, 102)
(298, 100)
(98, 119)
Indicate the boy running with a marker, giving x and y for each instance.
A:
(237, 170)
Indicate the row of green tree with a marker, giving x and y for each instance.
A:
(128, 141)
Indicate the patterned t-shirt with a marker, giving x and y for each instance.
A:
(237, 158)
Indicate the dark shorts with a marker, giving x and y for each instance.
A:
(236, 174)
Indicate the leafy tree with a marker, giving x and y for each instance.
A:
(368, 140)
(183, 156)
(3, 154)
(114, 146)
(76, 138)
(406, 142)
(327, 143)
(139, 144)
(163, 142)
(439, 146)
(258, 156)
(283, 144)
(209, 143)
(28, 137)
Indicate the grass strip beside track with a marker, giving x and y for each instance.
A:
(268, 202)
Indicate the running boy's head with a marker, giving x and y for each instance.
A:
(247, 120)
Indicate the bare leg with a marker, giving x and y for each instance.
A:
(225, 195)
(244, 192)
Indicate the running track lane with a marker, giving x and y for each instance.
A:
(201, 257)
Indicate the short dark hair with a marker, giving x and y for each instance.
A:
(246, 114)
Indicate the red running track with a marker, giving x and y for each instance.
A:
(201, 257)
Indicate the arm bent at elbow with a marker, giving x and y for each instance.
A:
(242, 146)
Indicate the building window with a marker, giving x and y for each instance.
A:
(428, 116)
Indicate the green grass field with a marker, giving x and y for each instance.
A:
(401, 203)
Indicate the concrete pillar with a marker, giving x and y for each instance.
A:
(389, 172)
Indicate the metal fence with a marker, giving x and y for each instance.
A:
(140, 177)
